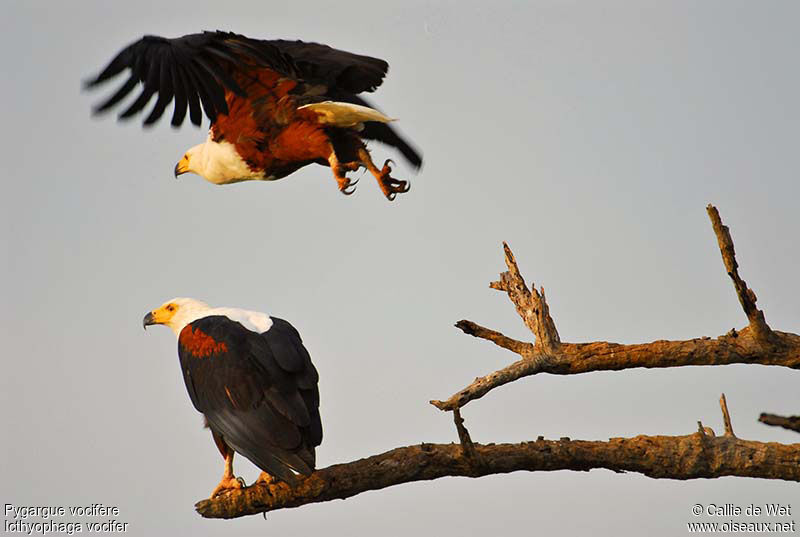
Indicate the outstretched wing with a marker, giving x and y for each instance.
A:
(196, 71)
(253, 392)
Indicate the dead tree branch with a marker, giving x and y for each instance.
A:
(573, 358)
(530, 303)
(756, 344)
(791, 422)
(747, 298)
(726, 416)
(672, 457)
(467, 446)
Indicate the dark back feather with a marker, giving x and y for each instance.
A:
(259, 391)
(336, 69)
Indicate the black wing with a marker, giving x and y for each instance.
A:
(334, 68)
(250, 398)
(195, 70)
(289, 351)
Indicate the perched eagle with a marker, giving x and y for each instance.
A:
(275, 106)
(251, 377)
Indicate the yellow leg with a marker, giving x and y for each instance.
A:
(390, 186)
(339, 173)
(229, 481)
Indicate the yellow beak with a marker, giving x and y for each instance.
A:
(182, 166)
(157, 316)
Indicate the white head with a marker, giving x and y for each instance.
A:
(216, 162)
(177, 313)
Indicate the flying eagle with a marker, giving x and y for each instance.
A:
(251, 377)
(274, 106)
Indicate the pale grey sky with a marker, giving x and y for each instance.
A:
(589, 136)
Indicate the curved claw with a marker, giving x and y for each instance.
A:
(400, 186)
(387, 169)
(392, 187)
(349, 189)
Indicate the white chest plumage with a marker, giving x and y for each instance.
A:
(219, 163)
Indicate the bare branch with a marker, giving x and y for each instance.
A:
(573, 358)
(467, 447)
(473, 329)
(755, 344)
(726, 417)
(530, 303)
(787, 422)
(672, 457)
(747, 298)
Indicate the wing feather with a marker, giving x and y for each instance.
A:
(195, 112)
(118, 95)
(181, 101)
(165, 93)
(149, 89)
(207, 61)
(207, 64)
(318, 63)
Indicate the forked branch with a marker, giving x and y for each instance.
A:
(756, 344)
(530, 303)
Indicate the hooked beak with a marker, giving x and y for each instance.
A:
(148, 320)
(182, 166)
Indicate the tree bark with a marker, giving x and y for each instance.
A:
(572, 358)
(791, 422)
(693, 456)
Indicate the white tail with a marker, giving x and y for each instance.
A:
(345, 114)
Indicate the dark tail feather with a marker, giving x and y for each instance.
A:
(382, 132)
(387, 135)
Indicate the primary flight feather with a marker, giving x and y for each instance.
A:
(274, 106)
